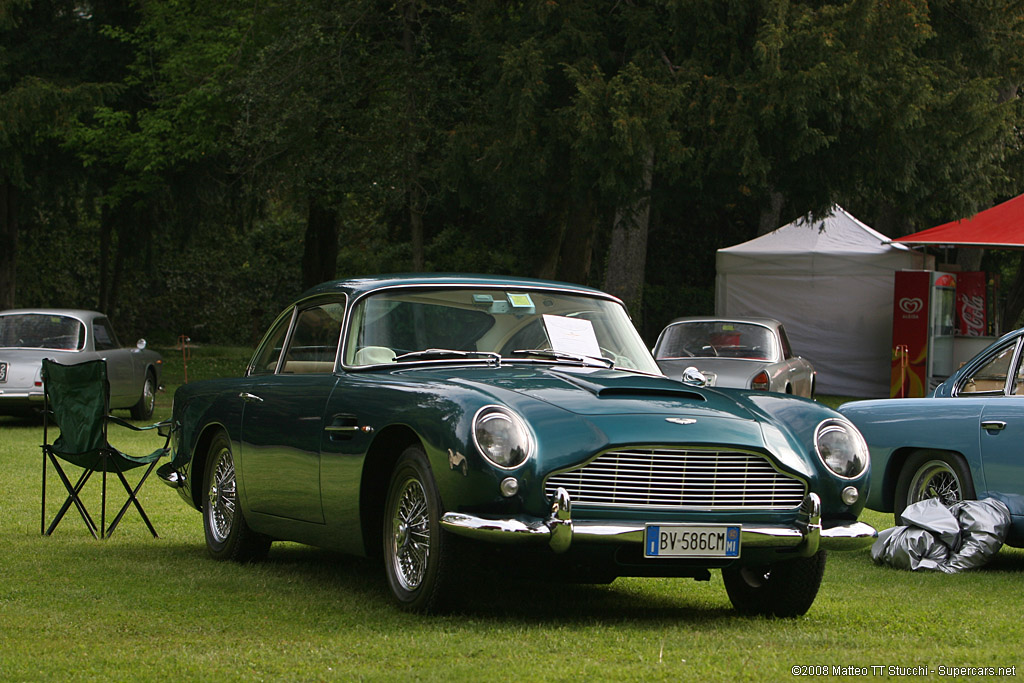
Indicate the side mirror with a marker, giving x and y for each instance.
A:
(694, 377)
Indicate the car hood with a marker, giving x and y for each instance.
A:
(630, 407)
(593, 391)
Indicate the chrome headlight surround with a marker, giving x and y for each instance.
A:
(502, 437)
(841, 448)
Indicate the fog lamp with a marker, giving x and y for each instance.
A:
(509, 486)
(850, 495)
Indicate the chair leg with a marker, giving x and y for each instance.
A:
(73, 498)
(133, 500)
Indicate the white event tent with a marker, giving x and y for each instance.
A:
(830, 283)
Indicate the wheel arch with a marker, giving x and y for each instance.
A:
(200, 452)
(898, 460)
(380, 461)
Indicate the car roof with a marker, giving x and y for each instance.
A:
(363, 285)
(79, 314)
(728, 319)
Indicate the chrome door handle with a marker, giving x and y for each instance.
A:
(993, 425)
(250, 398)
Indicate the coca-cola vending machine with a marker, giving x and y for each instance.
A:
(923, 328)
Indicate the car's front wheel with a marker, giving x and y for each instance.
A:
(932, 474)
(419, 556)
(228, 536)
(781, 589)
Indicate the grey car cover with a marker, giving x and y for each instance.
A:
(950, 539)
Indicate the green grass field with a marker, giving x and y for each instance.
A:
(137, 608)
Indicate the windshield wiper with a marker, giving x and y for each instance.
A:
(440, 354)
(562, 355)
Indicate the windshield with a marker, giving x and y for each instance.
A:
(399, 326)
(717, 339)
(39, 331)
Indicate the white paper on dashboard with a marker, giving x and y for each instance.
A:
(572, 335)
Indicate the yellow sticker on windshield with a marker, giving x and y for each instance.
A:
(520, 300)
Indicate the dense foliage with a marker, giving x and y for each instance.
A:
(190, 166)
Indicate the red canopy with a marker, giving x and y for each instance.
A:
(1001, 226)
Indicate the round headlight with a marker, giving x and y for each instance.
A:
(841, 447)
(502, 437)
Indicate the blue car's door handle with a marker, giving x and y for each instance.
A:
(993, 425)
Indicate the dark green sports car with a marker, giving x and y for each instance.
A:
(453, 424)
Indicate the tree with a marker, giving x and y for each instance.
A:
(54, 64)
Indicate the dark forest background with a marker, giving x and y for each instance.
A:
(190, 166)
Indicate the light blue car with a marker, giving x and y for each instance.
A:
(966, 440)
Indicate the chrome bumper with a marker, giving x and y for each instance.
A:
(559, 530)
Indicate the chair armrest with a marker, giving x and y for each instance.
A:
(162, 427)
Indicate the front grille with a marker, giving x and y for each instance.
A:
(679, 479)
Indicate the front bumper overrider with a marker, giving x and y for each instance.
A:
(804, 538)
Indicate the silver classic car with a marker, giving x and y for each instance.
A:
(69, 337)
(742, 353)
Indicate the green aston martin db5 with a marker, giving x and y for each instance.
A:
(457, 425)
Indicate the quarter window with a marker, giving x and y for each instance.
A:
(990, 378)
(104, 335)
(314, 342)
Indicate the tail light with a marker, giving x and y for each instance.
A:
(761, 382)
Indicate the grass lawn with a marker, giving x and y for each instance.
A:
(138, 608)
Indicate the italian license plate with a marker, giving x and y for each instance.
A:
(691, 540)
(3, 372)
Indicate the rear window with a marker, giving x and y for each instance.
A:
(38, 331)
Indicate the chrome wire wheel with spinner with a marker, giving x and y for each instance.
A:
(228, 536)
(410, 535)
(932, 474)
(143, 410)
(419, 556)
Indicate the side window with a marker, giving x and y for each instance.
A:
(103, 333)
(314, 343)
(990, 379)
(787, 350)
(268, 354)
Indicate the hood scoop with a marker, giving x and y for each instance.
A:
(620, 385)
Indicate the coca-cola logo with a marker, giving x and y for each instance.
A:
(972, 311)
(911, 304)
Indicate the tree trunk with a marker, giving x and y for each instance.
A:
(320, 249)
(106, 241)
(576, 252)
(8, 243)
(1014, 298)
(771, 215)
(415, 197)
(627, 253)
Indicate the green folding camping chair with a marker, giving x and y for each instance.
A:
(76, 399)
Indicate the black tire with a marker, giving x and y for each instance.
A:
(420, 558)
(143, 410)
(932, 474)
(228, 536)
(785, 589)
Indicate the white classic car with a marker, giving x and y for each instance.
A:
(743, 353)
(68, 337)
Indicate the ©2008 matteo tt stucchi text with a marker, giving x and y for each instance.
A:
(893, 670)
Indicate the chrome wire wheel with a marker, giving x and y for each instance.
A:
(935, 479)
(410, 535)
(149, 395)
(221, 497)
